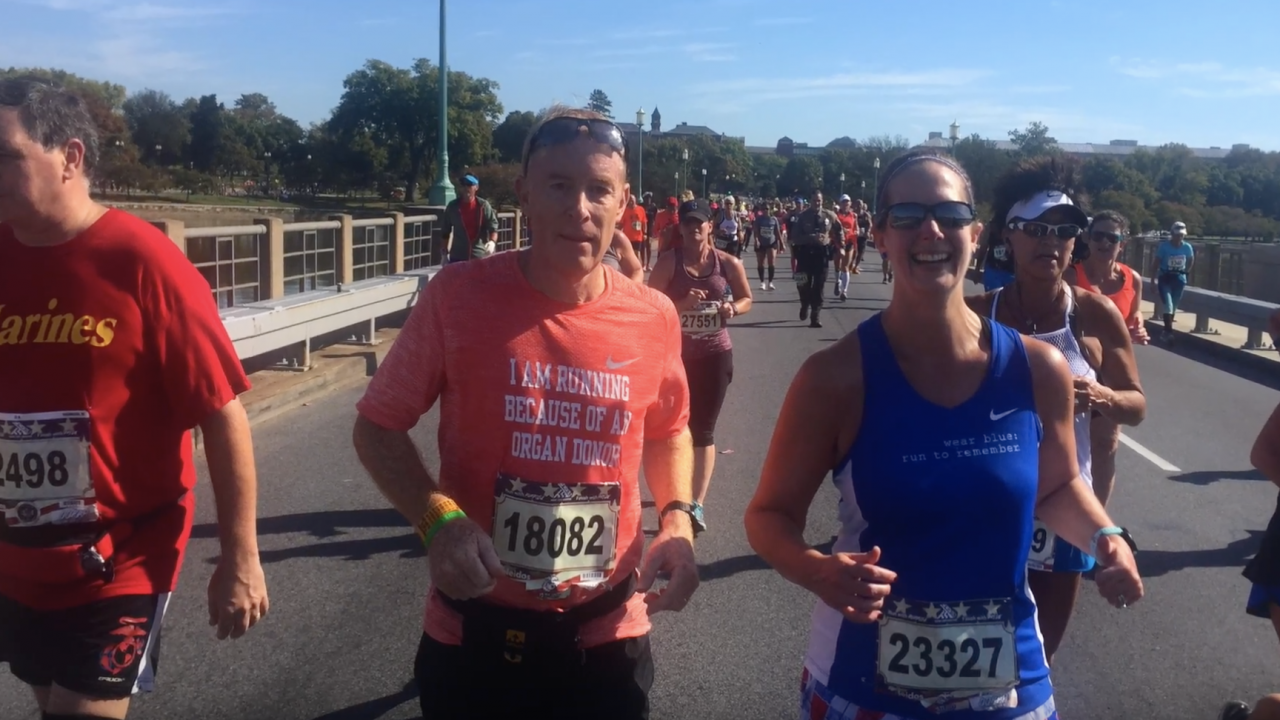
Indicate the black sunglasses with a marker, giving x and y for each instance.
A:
(949, 215)
(1108, 237)
(567, 129)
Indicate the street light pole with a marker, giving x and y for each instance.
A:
(841, 183)
(442, 193)
(704, 183)
(874, 199)
(640, 158)
(684, 155)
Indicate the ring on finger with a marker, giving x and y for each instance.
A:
(1123, 603)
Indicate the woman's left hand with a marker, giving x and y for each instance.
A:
(727, 311)
(1091, 394)
(1118, 581)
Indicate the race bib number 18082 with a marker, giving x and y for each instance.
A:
(44, 469)
(550, 534)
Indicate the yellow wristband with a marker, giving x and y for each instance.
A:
(440, 506)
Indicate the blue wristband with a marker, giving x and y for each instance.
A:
(1101, 533)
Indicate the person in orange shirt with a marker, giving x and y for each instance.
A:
(666, 225)
(849, 221)
(550, 403)
(635, 223)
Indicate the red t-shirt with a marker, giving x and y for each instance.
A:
(471, 217)
(542, 405)
(112, 350)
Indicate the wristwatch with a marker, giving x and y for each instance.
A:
(1123, 533)
(676, 505)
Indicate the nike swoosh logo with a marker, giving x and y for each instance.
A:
(1003, 415)
(617, 365)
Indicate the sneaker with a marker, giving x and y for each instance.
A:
(856, 271)
(699, 519)
(771, 287)
(804, 312)
(1234, 710)
(843, 296)
(764, 286)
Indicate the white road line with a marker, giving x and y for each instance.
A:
(1159, 462)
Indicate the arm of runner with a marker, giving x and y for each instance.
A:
(1137, 329)
(628, 262)
(1065, 503)
(1121, 399)
(741, 287)
(491, 220)
(818, 419)
(1266, 449)
(238, 588)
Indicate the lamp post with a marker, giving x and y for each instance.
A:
(640, 157)
(678, 188)
(841, 183)
(684, 155)
(863, 195)
(159, 148)
(442, 193)
(875, 165)
(955, 134)
(267, 155)
(704, 183)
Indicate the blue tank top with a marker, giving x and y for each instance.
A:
(948, 495)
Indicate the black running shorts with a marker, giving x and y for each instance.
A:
(106, 650)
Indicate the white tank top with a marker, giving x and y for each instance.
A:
(1066, 342)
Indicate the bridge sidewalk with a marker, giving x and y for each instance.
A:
(1228, 340)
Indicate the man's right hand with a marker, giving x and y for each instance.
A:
(853, 584)
(464, 564)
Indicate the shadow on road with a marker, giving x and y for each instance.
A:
(744, 563)
(372, 709)
(1206, 477)
(1157, 563)
(329, 524)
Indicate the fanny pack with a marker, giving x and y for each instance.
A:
(514, 642)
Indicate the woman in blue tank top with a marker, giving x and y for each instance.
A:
(942, 461)
(1042, 225)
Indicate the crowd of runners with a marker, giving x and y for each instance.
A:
(972, 439)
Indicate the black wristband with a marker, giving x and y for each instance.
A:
(674, 505)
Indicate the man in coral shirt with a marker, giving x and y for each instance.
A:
(112, 350)
(666, 225)
(549, 405)
(635, 225)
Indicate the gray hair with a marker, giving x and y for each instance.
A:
(52, 116)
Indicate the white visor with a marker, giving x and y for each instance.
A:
(1041, 203)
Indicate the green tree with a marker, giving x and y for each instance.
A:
(509, 136)
(985, 163)
(398, 109)
(599, 102)
(1034, 140)
(207, 124)
(801, 176)
(158, 126)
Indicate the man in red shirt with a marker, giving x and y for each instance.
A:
(112, 350)
(549, 405)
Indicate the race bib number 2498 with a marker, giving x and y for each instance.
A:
(44, 469)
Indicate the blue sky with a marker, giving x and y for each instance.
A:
(1092, 70)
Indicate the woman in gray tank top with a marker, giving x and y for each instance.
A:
(709, 288)
(1042, 225)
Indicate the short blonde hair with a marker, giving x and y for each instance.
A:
(555, 112)
(686, 196)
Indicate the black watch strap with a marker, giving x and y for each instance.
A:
(676, 505)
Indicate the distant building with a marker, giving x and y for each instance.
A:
(684, 129)
(1115, 148)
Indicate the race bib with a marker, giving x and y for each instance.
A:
(550, 535)
(802, 279)
(636, 226)
(1042, 542)
(1177, 262)
(44, 470)
(1000, 252)
(949, 654)
(703, 320)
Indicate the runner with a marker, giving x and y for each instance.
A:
(768, 234)
(994, 259)
(709, 287)
(621, 256)
(728, 231)
(1101, 272)
(864, 233)
(1175, 258)
(470, 223)
(548, 401)
(635, 225)
(816, 237)
(1264, 570)
(651, 214)
(848, 217)
(666, 219)
(1042, 226)
(112, 351)
(923, 609)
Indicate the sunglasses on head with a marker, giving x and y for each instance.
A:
(1100, 236)
(1066, 231)
(567, 129)
(949, 215)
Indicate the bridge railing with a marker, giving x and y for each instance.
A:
(280, 285)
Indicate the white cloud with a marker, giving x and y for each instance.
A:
(710, 52)
(1204, 79)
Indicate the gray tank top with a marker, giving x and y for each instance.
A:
(611, 259)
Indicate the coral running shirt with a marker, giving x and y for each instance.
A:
(112, 350)
(544, 411)
(634, 223)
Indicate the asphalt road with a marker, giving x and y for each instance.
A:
(347, 582)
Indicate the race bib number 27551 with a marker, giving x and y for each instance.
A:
(44, 469)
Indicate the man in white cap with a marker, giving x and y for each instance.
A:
(1176, 257)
